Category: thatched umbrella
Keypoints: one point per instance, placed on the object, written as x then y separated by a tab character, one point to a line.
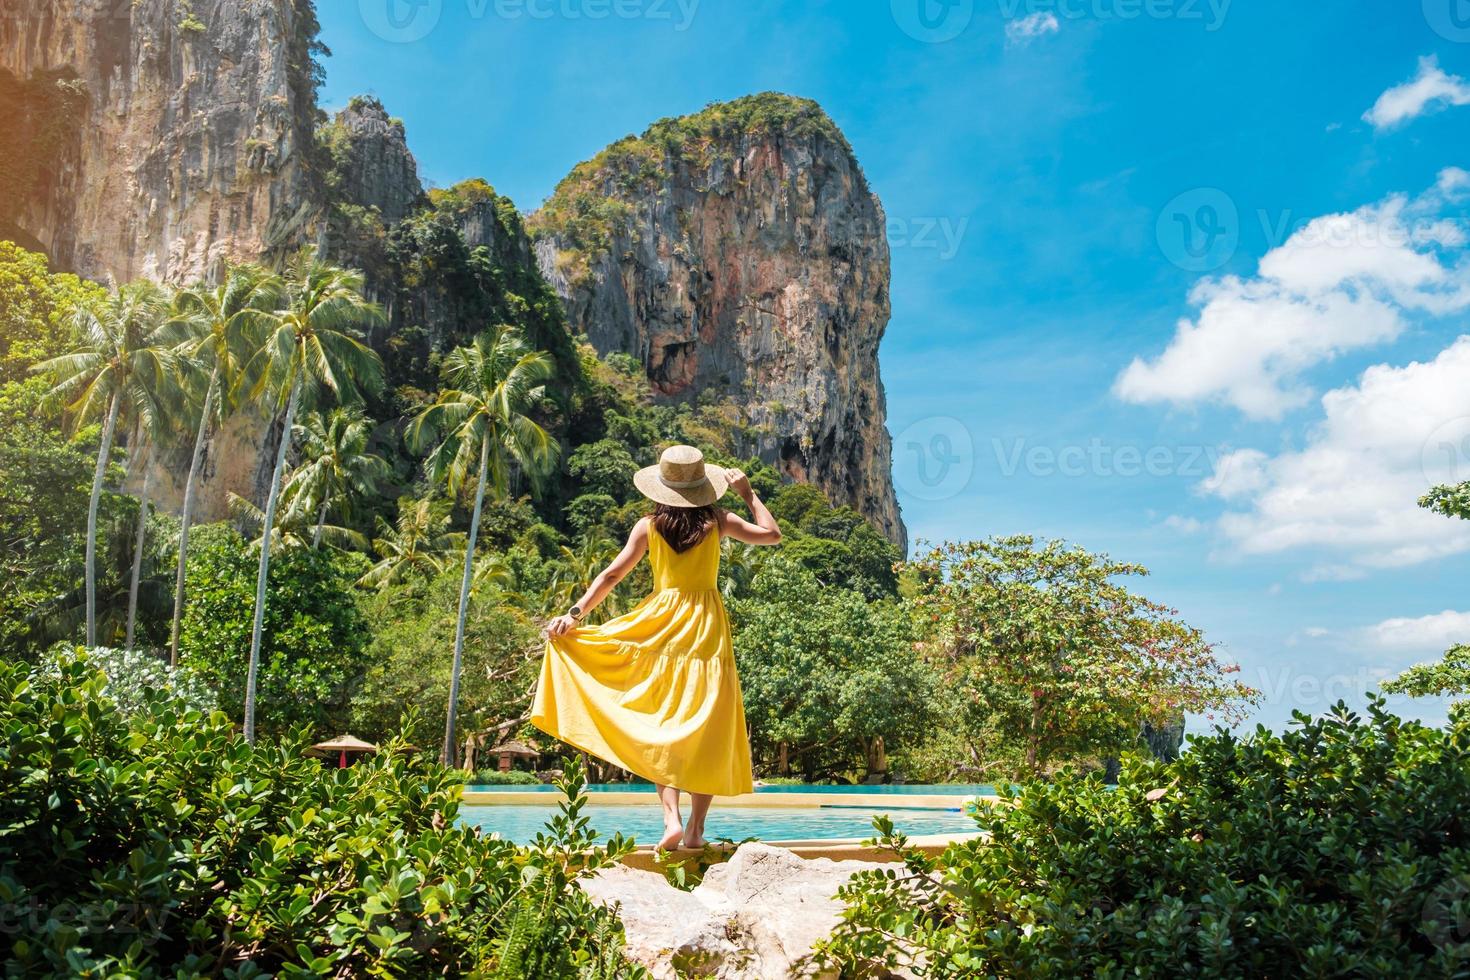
514	748
344	744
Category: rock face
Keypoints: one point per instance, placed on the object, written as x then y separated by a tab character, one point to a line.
755	916
184	137
739	251
374	168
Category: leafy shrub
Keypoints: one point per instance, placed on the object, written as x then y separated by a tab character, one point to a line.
167	846
494	777
136	677
1341	848
314	652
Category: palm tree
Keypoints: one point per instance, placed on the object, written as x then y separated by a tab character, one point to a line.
218	323
309	344
415	547
338	465
119	365
293	530
482	421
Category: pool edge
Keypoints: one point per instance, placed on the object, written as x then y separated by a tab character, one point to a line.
644	858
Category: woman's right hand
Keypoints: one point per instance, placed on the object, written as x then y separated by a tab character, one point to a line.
739	482
560	626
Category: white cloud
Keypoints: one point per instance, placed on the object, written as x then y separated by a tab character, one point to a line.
1427	91
1183	525
1340	282
1438	631
1027	29
1351	491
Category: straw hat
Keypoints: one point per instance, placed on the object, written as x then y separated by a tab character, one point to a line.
680	479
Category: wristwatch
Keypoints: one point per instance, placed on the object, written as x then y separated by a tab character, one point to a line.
576	613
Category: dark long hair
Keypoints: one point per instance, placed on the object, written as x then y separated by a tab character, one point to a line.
684	527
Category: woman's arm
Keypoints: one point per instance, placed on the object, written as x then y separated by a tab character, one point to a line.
606	580
765	530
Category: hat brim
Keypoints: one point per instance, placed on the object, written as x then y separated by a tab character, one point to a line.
702	494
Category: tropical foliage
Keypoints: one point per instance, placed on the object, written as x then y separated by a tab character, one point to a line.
163	844
1340	848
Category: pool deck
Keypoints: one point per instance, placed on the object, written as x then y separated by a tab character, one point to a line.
886	801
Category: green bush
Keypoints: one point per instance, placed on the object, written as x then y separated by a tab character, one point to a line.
494	777
314	652
165	845
136	677
1341	848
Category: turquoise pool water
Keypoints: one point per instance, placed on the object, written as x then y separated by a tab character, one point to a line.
521	822
907	789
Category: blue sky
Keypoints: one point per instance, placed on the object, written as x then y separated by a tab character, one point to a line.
1179	280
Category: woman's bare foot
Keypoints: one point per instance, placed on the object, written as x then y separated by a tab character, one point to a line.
673	837
694	838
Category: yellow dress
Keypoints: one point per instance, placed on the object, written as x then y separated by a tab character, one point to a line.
655	691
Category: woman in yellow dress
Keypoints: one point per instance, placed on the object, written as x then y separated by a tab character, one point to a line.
655	691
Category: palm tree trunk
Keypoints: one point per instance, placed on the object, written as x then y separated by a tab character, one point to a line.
321	522
104	453
190	486
138	542
267	525
464	603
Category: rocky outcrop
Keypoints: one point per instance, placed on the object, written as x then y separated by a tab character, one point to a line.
740	252
372	166
187	137
755	916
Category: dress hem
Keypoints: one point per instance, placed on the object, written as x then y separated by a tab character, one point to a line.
538	720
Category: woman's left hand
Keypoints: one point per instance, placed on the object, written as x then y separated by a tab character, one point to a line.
560	626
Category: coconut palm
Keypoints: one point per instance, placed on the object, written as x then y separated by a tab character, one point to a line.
415	547
121	365
216	327
482	421
297	530
309	344
577	567
337	466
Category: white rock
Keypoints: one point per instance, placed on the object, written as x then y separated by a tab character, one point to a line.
756	916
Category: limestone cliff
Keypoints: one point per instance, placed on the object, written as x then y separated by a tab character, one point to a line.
183	136
740	251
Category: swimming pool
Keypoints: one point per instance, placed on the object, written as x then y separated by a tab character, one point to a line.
905	789
521	822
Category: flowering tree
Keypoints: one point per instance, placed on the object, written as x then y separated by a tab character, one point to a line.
1050	650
